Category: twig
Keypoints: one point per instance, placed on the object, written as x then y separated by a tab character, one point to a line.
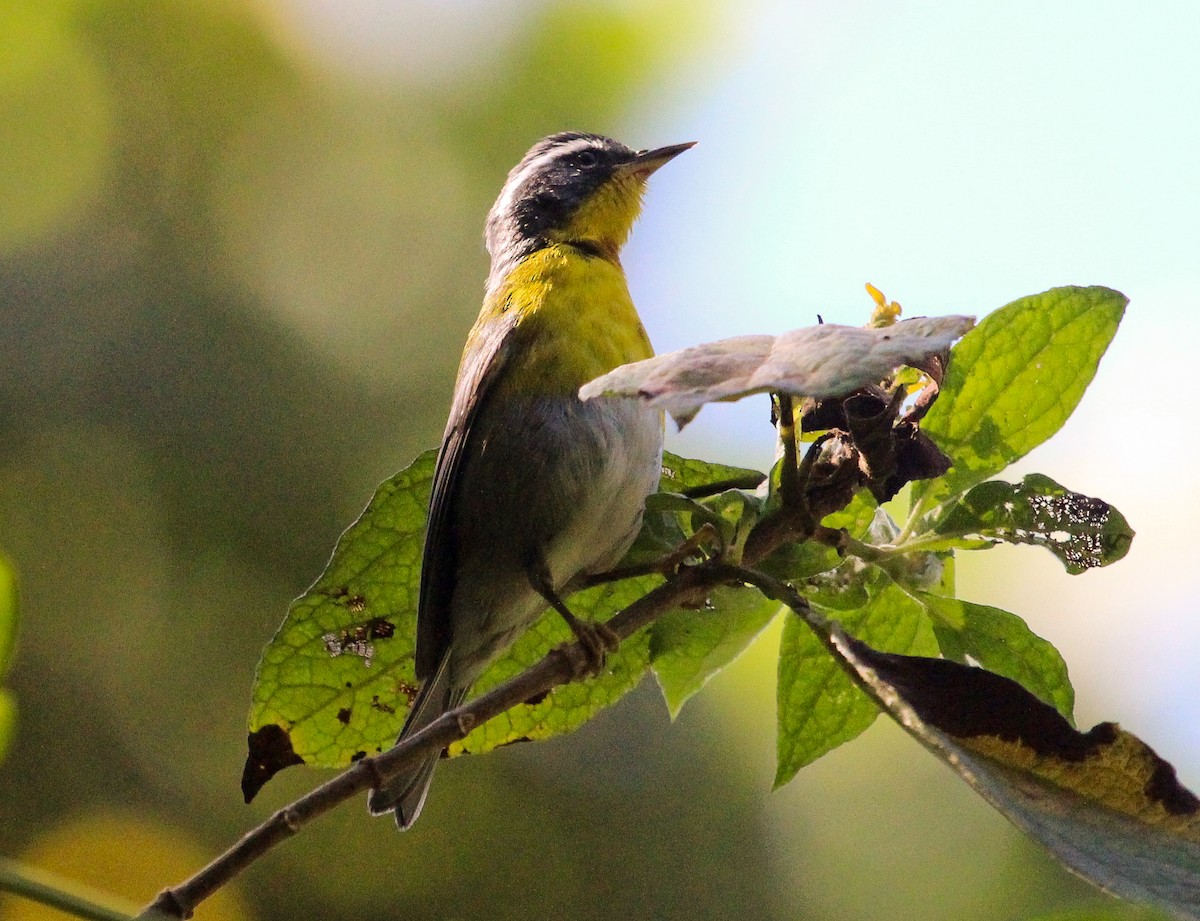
558	667
841	541
791	491
775	589
663	566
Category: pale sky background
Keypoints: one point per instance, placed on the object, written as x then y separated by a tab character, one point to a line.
958	156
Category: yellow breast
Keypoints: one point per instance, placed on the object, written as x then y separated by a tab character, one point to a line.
576	321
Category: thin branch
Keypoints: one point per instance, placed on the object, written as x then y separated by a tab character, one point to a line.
791	490
776	590
703	491
560	666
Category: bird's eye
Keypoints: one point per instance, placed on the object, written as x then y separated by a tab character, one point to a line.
587	158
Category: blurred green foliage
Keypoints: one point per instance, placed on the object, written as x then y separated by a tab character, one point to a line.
233	287
8	636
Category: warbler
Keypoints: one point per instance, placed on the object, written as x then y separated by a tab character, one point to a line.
534	488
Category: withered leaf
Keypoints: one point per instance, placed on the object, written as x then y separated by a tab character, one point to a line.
816	361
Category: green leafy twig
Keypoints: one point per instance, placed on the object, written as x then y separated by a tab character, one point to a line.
560	666
366	593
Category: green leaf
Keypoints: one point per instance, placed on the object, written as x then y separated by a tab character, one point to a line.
688	647
1002	643
675	512
337	678
1014	379
663	527
737	513
793	561
568	706
819	707
683	474
1081	531
856	517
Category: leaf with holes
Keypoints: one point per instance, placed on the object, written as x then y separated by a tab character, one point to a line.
336	680
1081	531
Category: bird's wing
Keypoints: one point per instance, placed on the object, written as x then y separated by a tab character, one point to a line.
482	362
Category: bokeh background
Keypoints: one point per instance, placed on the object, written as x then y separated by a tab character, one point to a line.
240	246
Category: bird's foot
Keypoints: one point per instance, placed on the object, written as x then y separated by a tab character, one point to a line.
597	640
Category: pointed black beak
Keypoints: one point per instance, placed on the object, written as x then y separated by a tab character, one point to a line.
645	162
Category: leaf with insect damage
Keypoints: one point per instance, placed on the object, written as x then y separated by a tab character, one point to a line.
335	682
1102	801
1081	531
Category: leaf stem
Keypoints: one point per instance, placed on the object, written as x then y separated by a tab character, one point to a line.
791	490
915	514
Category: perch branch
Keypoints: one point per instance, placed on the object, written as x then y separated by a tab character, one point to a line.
556	668
792	521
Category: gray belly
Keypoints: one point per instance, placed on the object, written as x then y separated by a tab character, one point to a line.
554	479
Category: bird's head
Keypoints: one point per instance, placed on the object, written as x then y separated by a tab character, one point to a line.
575	188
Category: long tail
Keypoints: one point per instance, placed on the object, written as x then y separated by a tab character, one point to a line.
405	793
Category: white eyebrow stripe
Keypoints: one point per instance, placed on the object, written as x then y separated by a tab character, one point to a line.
557	152
505	202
